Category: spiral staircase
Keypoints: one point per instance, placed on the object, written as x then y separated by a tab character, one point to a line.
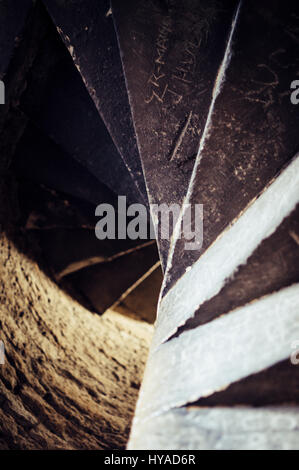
164	102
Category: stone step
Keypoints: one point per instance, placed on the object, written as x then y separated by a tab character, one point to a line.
171	53
141	300
273	265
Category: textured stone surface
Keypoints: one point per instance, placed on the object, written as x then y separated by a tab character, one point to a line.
238	428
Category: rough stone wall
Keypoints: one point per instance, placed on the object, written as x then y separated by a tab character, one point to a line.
70	378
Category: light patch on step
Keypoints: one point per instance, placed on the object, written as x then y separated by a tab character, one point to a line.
209	358
232	248
219	428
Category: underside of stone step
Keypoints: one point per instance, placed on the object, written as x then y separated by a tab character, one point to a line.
141	300
220	428
115	277
57	101
272	266
89	35
228	309
64	229
70	250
